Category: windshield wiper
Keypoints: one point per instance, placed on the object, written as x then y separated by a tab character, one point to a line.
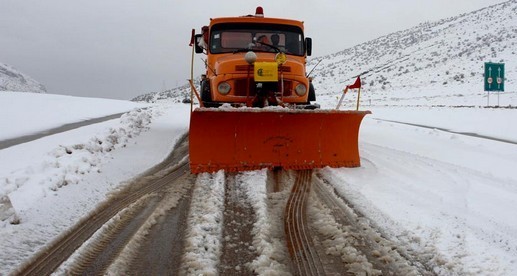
241	50
251	48
277	50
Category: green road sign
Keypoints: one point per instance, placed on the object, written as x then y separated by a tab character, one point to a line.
494	76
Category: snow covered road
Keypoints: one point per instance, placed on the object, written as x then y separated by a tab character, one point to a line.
453	194
445	199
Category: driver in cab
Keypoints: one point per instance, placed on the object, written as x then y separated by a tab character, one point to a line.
262	43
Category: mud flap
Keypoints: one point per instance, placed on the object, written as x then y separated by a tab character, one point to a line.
249	139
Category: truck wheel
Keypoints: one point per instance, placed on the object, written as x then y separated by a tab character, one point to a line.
205	91
312	93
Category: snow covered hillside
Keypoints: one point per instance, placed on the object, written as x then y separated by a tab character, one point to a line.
429	62
177	94
14	80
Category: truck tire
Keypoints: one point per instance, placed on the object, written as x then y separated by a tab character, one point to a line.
205	91
312	93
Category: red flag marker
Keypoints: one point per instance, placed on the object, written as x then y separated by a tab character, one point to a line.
357	83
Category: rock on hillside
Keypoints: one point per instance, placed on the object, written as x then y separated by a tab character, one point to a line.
13	80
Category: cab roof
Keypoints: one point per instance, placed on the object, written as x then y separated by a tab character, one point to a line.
258	18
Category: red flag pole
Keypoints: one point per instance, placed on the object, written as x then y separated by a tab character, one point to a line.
342	97
357	84
358	96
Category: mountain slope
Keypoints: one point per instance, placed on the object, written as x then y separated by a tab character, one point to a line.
429	61
13	80
177	94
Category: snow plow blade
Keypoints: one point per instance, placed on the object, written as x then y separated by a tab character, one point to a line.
250	139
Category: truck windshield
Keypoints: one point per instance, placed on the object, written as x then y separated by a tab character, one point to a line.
227	38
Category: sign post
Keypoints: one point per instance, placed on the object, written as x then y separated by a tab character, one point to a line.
494	79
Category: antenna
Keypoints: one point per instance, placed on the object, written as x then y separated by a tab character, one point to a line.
314	68
206	64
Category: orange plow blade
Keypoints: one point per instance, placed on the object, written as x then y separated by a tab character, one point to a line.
250	139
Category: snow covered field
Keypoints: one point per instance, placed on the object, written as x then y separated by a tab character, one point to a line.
446	195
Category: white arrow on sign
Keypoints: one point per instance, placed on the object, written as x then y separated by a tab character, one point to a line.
489	77
499	80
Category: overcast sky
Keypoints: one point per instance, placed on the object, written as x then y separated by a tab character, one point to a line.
124	48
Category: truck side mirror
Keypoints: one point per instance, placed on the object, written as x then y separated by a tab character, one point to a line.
308	46
198	48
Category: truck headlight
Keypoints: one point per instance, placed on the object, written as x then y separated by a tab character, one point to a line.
224	88
300	89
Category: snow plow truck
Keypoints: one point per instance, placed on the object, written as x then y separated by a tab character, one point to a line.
256	101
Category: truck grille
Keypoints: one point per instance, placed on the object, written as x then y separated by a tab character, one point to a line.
244	68
240	88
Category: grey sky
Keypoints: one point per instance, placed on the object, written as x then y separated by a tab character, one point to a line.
124	48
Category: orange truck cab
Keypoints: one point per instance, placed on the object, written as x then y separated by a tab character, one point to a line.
255	61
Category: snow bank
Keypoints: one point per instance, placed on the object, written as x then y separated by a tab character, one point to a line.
50	216
66	164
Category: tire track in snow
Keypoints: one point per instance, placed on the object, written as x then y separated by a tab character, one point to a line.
362	249
306	260
237	248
